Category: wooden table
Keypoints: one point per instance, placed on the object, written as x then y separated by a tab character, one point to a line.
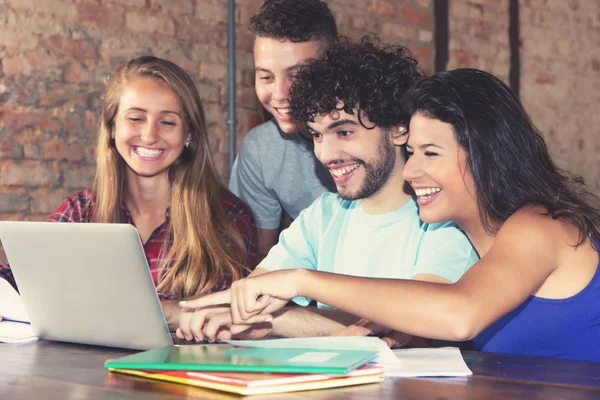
52	370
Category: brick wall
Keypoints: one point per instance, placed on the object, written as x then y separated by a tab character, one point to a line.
54	53
560	80
559	72
478	36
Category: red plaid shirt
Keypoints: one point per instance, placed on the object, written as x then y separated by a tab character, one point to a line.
81	206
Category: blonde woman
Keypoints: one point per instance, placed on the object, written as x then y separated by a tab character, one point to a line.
155	171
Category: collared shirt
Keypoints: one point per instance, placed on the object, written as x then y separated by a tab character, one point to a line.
80	207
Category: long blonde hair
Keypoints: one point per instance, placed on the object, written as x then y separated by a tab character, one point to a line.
207	246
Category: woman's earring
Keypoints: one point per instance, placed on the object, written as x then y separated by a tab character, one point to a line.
187	142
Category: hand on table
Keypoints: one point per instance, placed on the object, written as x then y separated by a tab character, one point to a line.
365	327
214	324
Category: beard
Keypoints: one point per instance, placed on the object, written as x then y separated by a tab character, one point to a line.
377	172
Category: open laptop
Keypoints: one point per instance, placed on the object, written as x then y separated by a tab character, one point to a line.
85	283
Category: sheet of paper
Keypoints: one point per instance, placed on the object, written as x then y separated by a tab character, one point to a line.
11	306
385	356
16	332
445	361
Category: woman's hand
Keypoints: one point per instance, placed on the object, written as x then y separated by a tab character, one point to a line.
253	299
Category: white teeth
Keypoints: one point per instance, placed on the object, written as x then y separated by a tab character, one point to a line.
426	191
284	111
339	172
144	152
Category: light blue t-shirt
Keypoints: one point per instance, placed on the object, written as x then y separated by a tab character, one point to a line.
336	235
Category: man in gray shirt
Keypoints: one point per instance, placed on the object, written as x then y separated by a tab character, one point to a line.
276	168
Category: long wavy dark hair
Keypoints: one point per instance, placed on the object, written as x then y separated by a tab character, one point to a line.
368	77
506	154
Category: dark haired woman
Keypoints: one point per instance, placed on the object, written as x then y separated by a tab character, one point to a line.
476	159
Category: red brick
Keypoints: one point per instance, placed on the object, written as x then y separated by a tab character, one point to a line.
72	47
247	78
174	7
417	16
213	72
101	16
424	55
395	30
15	120
14	202
46	203
149	23
382	7
75	71
254	119
54	149
11	150
545	79
246	97
214	112
57	8
209	92
212	12
128	3
28	174
17	39
79	177
192	30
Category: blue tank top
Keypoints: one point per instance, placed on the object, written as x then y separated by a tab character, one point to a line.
564	328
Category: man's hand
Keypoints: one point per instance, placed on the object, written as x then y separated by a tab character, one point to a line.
365	327
192	321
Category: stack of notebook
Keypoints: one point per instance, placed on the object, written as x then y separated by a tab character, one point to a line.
249	371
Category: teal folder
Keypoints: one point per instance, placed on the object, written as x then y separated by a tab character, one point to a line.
246	359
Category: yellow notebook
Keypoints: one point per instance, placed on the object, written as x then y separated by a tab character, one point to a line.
252	383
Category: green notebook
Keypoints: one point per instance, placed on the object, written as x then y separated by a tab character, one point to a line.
247	359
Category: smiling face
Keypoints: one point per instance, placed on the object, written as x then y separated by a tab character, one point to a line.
360	160
148	129
437	171
276	62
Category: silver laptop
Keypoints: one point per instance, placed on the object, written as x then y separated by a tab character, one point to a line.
85	283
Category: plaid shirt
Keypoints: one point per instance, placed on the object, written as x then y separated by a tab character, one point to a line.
81	207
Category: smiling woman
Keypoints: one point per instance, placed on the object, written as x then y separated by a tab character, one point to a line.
155	171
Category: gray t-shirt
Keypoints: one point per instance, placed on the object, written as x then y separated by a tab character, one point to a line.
275	170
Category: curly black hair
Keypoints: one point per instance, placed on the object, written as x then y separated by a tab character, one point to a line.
294	20
368	76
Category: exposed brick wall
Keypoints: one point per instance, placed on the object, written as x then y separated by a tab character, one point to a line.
560	80
54	54
478	36
559	72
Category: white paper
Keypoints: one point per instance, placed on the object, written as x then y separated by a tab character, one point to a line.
385	355
11	306
445	361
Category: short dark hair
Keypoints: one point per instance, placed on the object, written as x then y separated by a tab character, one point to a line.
366	77
294	20
506	154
